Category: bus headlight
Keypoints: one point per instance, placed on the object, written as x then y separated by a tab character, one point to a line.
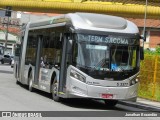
133	81
78	76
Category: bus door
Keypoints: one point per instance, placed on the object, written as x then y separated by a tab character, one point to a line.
63	67
47	56
38	57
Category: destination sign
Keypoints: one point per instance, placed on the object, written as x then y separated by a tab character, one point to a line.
106	39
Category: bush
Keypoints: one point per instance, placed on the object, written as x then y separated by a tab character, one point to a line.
158	50
151	52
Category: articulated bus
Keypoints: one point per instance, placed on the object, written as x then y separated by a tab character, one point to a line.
81	55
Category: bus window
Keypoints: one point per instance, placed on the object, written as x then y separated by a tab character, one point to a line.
58	47
123	57
31	48
51	50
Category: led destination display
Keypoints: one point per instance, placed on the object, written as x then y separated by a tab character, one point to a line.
107	39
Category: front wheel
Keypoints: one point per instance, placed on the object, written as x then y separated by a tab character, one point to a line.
55	91
110	103
30	82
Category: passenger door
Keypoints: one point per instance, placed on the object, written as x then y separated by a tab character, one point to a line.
64	60
50	58
38	57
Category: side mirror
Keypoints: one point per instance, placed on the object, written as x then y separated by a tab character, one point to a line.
141	53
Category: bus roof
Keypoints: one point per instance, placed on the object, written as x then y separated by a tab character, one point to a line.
91	21
100	20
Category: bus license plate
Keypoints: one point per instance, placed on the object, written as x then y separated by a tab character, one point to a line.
108	96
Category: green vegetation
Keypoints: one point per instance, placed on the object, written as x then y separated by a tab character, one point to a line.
151	52
149	86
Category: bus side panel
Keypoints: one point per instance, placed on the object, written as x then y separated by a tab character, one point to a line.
45	78
26	73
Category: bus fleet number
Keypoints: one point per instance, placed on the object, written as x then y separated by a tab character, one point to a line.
122	84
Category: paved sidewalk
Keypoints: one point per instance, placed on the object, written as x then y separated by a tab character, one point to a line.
148	102
143	104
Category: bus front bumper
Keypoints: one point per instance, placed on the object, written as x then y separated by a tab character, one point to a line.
82	90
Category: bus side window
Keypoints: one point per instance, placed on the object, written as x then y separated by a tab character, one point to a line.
51	50
31	49
58	47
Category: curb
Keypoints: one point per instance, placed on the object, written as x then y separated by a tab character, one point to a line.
140	105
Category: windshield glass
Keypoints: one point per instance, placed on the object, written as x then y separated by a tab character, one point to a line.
106	57
123	58
105	53
92	55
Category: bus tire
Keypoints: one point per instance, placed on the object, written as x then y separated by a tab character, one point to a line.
110	103
30	82
54	91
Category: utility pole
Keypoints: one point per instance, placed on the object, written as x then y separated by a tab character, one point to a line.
6	35
8	14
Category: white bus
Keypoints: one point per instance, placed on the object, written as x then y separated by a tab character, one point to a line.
81	55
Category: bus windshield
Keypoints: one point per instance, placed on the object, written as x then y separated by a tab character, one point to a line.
96	55
123	57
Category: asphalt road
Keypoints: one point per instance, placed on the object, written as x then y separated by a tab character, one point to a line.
15	97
